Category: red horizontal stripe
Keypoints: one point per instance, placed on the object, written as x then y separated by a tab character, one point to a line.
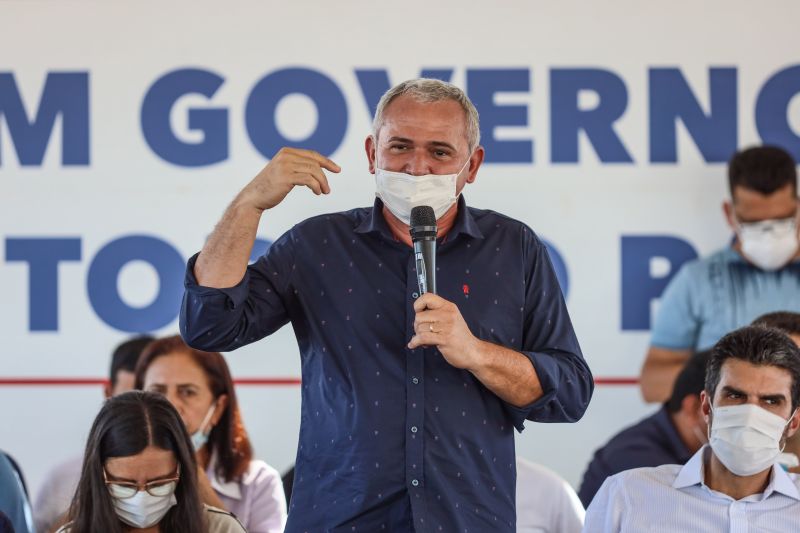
60	382
616	381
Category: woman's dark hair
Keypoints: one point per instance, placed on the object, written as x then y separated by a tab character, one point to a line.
758	346
125	426
228	438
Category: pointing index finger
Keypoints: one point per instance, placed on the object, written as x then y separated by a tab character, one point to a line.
323	161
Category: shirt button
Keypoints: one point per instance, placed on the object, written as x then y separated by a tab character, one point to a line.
413	429
414	482
415	381
414	295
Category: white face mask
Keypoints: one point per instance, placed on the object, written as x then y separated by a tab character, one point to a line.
769	244
401	192
143	510
200	437
746	438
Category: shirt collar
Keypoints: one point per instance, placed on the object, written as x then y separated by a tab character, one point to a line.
230	489
465	222
693	474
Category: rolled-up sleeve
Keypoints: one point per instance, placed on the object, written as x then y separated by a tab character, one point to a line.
214	319
550	343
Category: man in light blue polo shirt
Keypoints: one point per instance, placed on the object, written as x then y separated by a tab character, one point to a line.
734	484
757	274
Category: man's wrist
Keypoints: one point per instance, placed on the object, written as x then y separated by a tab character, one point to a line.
243	204
476	354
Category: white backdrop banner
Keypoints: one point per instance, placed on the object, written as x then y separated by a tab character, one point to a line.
125	128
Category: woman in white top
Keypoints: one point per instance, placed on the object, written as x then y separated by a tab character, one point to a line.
139	474
200	387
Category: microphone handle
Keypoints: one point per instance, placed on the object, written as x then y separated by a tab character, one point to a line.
425	257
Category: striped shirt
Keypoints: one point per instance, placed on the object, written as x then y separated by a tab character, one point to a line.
674	498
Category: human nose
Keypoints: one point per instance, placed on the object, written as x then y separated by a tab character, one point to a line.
174	399
417	164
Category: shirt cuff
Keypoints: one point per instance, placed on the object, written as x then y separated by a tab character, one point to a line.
231	297
540	409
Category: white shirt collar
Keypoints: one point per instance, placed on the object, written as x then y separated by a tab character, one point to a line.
230	489
693	474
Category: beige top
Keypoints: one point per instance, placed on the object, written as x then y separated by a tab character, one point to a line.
219	521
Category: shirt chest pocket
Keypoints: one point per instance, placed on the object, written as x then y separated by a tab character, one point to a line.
495	320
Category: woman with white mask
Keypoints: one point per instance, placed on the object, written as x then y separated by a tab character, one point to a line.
139	474
199	385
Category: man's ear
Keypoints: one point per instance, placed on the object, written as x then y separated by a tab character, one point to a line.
107	390
794	423
705	406
730	216
370	145
475	162
692	406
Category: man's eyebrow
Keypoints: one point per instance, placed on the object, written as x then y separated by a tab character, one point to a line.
400	139
773	397
733	390
442	143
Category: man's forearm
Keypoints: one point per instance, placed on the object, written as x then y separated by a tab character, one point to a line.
226	253
507	373
659	371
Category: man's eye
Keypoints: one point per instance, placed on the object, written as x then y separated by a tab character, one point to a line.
399	147
188	392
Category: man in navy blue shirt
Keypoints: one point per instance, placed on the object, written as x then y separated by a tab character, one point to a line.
409	400
670	436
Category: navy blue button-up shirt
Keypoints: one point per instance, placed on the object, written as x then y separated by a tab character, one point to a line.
653	441
391	438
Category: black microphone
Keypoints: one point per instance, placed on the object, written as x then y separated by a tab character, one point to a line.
423	235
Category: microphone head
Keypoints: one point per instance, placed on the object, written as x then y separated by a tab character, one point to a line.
423	223
423	215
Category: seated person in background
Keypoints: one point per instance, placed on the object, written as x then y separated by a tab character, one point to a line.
789	323
13	497
200	387
750	402
59	483
139	474
670	436
545	502
756	274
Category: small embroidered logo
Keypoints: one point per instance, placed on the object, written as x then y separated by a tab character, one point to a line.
465	288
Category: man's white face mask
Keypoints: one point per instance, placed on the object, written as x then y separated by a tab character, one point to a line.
401	192
746	438
769	244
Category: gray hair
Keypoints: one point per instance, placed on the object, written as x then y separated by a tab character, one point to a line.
431	90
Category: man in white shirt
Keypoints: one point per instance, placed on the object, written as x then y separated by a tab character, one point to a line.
546	503
733	484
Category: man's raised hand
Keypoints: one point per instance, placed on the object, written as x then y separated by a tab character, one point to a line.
289	168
